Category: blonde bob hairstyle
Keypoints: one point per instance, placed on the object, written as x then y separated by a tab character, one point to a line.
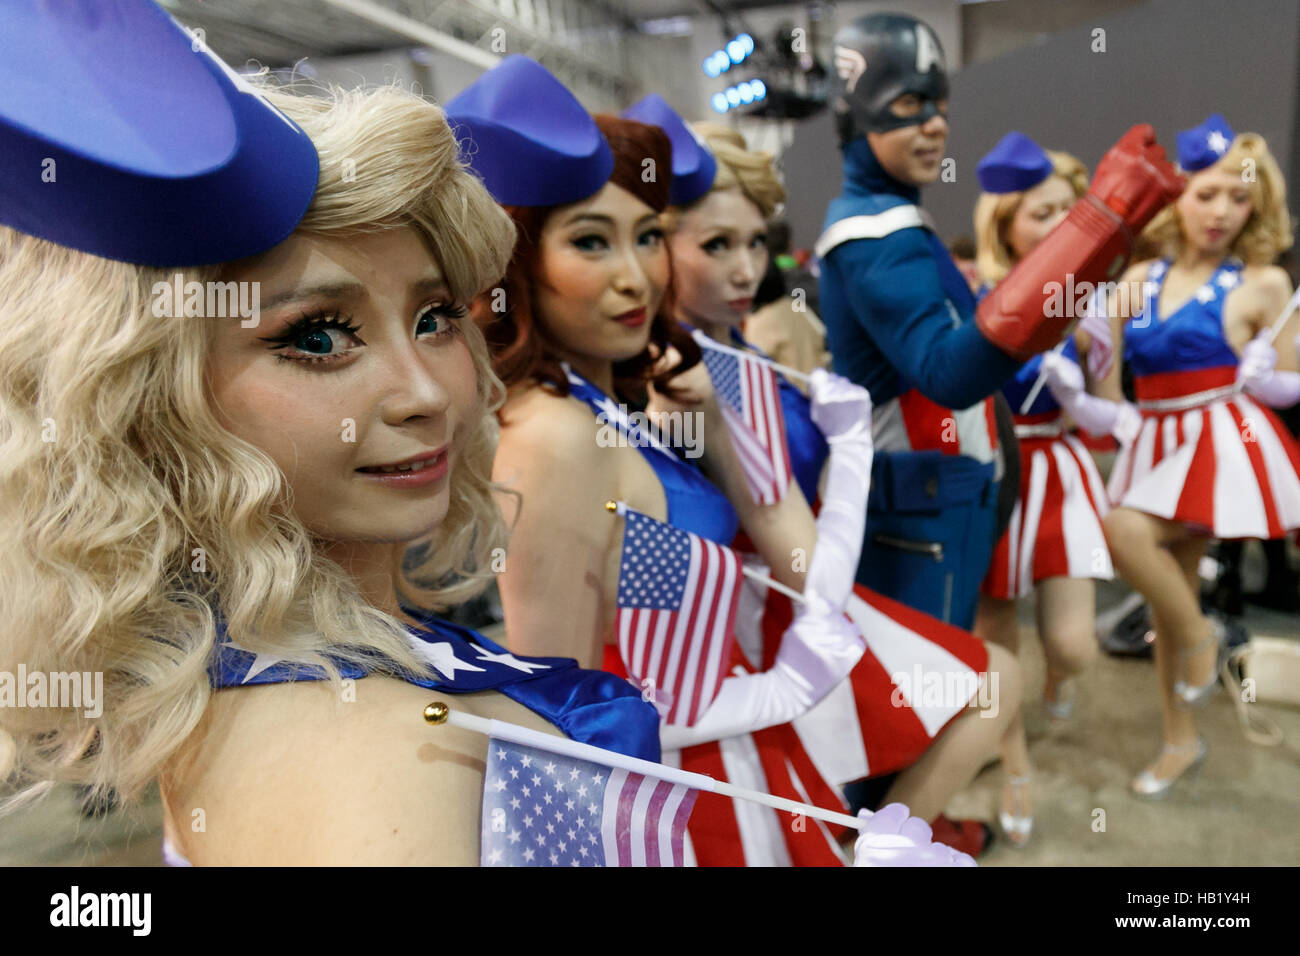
994	212
1266	234
131	522
738	167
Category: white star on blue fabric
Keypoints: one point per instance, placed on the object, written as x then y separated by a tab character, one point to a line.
1205	294
1228	280
441	657
1217	142
260	663
505	657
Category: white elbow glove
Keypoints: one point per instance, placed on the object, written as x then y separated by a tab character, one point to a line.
1258	374
817	652
822	645
893	837
842	412
1097	416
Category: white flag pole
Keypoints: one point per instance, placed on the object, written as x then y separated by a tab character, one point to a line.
620	508
785	370
1028	403
439	713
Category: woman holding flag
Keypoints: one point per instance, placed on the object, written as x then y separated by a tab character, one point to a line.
583	304
724	195
246	523
1054	546
1210	460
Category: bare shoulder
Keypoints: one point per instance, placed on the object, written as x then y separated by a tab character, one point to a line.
1137	271
539	423
1270	280
298	774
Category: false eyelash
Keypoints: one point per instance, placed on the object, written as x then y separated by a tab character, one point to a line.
311	322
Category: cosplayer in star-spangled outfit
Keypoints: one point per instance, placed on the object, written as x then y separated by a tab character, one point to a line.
215	537
583	298
1054	544
901	320
1210	461
723	196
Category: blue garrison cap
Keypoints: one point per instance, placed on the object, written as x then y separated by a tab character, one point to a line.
694	167
1204	145
119	138
1015	164
529	139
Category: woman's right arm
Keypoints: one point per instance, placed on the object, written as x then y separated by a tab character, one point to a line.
560	534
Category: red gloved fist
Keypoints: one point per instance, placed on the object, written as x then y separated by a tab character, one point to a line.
1134	178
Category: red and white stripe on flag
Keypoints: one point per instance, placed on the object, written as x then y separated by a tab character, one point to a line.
768	467
676	614
644	820
1101	352
750	399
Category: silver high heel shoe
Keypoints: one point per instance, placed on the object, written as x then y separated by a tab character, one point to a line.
1017	828
1148	786
1190	696
1061	707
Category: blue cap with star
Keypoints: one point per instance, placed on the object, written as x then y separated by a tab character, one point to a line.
124	137
1015	164
694	166
528	138
1204	145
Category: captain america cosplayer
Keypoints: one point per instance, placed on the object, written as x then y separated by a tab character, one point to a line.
901	320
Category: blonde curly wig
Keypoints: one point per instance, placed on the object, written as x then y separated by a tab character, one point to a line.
994	212
1266	234
114	470
752	171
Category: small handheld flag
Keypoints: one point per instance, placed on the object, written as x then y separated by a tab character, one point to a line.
546	809
750	400
634	802
677	598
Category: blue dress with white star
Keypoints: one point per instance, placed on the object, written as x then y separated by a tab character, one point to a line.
592	707
1208	456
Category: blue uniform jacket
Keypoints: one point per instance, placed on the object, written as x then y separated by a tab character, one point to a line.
886	302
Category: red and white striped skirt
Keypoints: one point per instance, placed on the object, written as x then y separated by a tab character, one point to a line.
1226	466
916	675
1055	529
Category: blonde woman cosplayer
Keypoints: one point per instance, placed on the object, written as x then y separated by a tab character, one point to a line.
1211	460
186	497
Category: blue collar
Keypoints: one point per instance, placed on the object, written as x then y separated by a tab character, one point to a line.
863	174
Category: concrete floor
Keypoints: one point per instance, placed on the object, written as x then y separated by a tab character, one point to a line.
1242	810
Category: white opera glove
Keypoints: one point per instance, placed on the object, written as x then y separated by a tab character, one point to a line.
893	837
817	652
1258	374
1064	377
842	412
1096	416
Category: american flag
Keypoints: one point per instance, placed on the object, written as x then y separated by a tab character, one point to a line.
547	809
751	403
677	596
1096	322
